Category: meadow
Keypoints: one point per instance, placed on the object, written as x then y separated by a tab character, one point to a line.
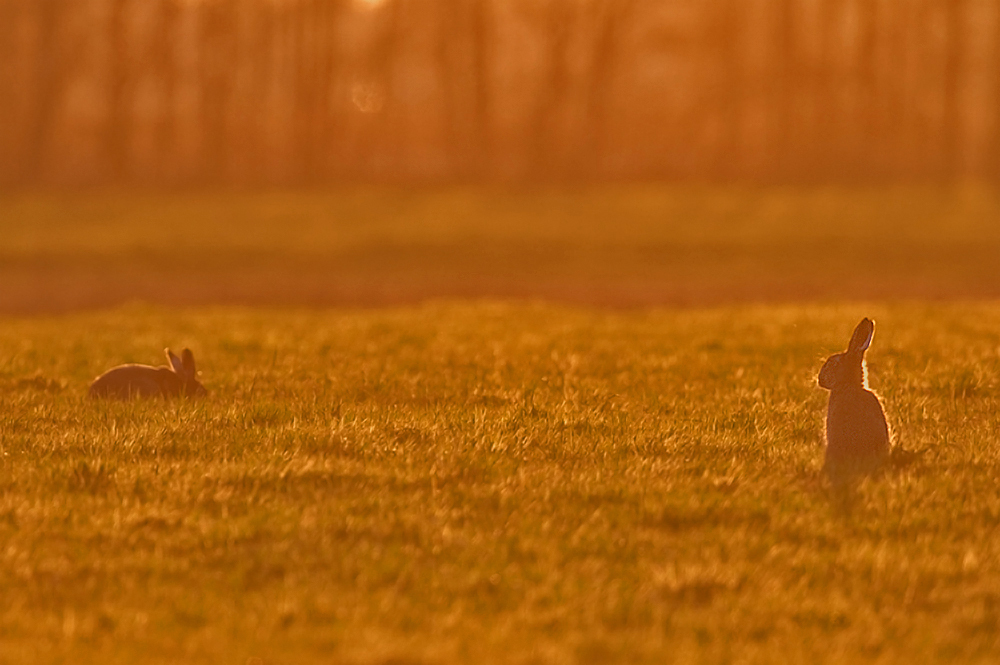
497	483
494	480
611	245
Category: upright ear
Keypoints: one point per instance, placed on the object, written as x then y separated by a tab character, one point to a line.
862	337
175	363
188	359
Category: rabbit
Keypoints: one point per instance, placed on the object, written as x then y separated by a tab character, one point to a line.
857	435
127	381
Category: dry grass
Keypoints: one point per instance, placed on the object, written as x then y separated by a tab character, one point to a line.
497	484
617	245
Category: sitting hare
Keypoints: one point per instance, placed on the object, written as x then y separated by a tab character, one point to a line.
126	381
857	436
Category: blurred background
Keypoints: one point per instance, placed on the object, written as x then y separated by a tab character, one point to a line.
460	109
306	91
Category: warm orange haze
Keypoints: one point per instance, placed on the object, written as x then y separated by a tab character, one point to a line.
319	91
527	331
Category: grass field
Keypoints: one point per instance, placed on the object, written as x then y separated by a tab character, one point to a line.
635	245
495	483
429	440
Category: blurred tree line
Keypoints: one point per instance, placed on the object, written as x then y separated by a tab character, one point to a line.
299	91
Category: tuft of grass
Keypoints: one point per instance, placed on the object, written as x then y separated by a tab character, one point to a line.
495	483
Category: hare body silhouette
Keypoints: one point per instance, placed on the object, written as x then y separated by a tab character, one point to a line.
128	381
857	435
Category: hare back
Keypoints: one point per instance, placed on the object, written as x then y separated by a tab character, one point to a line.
127	381
857	434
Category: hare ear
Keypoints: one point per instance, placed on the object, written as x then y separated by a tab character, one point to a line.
188	359
862	337
175	362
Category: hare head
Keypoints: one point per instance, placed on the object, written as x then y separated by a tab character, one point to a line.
847	369
186	371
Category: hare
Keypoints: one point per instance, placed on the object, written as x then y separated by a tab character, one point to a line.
857	436
127	381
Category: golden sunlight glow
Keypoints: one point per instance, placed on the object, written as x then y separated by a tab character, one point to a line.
368	97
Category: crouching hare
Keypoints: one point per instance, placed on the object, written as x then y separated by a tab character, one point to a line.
127	381
857	436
